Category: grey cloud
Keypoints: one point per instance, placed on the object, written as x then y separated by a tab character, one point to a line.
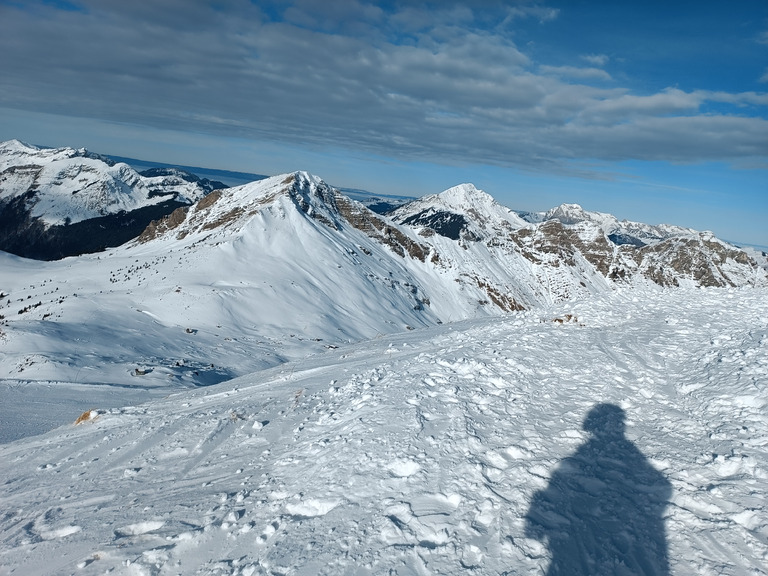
348	16
450	92
680	139
627	106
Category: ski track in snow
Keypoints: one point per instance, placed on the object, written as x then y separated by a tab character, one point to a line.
413	454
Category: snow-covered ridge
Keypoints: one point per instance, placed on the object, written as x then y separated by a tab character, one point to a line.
567	252
297	200
15	152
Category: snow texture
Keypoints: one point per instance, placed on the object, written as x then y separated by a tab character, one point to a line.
632	440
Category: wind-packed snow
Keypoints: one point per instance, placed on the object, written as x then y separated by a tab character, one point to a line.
489	446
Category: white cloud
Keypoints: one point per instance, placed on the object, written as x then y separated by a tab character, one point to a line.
738	98
596	59
542	13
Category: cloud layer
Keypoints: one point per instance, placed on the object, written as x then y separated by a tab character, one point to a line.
439	82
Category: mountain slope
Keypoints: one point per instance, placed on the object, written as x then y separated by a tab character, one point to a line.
60	202
438	451
247	278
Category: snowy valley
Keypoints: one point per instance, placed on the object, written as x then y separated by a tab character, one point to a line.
274	379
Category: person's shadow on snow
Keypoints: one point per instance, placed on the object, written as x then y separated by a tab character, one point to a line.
603	510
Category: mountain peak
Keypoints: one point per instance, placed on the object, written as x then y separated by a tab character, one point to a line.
15	144
465	195
283	196
567	213
463	211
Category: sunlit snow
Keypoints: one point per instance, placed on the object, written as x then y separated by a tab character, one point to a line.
629	440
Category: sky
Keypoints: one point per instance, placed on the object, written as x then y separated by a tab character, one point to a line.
652	111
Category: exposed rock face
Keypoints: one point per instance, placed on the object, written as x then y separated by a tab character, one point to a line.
681	256
705	260
377	227
158	227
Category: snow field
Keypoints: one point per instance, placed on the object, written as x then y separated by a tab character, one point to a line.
417	453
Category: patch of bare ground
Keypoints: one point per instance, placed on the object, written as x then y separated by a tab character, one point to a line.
208	200
567	319
225	218
159	227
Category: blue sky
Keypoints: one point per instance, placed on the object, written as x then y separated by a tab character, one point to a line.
652	111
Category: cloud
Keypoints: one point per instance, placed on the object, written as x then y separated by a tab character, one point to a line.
764	77
335	16
575	72
596	59
443	84
739	99
542	13
620	109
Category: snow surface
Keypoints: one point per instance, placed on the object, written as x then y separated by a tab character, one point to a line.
455	449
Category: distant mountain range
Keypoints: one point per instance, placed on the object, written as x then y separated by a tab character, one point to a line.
58	202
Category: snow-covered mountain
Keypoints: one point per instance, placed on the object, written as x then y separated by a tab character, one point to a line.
619	232
525	260
252	276
245	279
62	201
